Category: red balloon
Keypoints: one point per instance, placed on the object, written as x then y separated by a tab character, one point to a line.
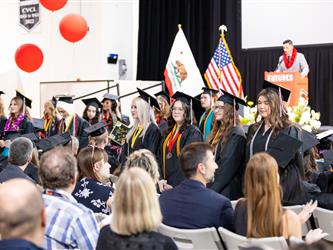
29	57
53	5
73	27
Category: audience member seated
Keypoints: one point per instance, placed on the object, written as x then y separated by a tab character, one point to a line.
22	215
191	204
20	154
145	159
69	224
94	190
260	213
325	198
135	216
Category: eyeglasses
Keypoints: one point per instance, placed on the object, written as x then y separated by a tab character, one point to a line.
177	109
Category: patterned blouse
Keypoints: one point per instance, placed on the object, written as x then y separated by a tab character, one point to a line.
93	194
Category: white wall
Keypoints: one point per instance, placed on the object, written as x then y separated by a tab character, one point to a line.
267	23
113	28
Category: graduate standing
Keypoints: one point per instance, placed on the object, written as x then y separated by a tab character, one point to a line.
145	134
278	136
207	102
71	122
228	140
181	132
162	115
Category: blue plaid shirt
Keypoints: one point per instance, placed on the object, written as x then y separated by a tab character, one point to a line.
70	225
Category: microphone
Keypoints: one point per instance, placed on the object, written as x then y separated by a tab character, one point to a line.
279	64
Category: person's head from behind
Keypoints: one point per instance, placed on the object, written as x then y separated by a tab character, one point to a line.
58	169
20	151
99	141
135	206
22	211
93	164
144	159
263	196
197	162
288	47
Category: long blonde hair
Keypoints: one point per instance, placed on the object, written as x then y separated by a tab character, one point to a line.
165	110
145	117
263	197
222	128
135	206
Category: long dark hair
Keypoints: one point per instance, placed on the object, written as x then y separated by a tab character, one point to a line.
187	117
85	114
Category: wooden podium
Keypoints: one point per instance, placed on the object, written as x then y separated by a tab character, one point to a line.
292	81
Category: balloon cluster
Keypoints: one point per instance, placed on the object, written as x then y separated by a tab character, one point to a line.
72	27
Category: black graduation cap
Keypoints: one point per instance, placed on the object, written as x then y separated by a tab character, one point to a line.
328	156
325	135
309	141
285	93
164	95
67	99
148	98
38	124
53	141
1	92
33	137
209	91
111	97
25	99
231	99
54	101
92	102
283	149
96	129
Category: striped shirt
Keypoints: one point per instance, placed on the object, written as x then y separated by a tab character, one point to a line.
70	225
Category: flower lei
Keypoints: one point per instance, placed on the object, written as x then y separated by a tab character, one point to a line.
292	59
12	123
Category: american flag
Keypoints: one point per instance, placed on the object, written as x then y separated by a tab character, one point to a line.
222	72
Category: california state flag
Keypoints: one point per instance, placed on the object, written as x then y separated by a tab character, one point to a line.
181	72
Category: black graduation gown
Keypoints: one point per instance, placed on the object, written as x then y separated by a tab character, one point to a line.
52	128
173	172
229	175
150	141
80	124
25	127
290	176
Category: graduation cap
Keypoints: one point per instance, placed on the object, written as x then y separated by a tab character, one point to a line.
309	141
38	124
1	92
148	98
54	101
209	91
67	99
325	135
92	102
191	101
96	129
285	93
111	97
164	95
26	100
328	156
33	137
231	99
283	149
53	141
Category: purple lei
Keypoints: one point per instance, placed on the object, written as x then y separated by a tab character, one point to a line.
14	126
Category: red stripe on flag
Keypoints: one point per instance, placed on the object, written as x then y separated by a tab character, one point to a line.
227	79
168	82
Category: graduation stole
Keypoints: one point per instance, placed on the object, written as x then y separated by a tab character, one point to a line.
13	123
292	59
207	120
62	129
170	143
136	133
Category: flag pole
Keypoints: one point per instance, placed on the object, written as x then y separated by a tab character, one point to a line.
222	29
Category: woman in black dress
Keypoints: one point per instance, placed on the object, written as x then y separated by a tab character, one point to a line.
181	132
268	135
228	141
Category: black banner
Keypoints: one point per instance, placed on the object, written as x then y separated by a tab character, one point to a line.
29	14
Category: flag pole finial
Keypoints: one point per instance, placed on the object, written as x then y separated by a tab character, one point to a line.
223	29
179	26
